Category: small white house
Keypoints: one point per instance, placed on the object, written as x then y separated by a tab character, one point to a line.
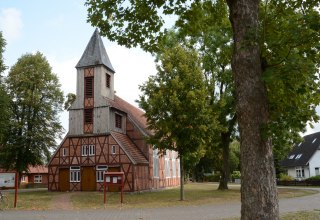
304	160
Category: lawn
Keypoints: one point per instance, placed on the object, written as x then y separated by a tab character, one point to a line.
195	193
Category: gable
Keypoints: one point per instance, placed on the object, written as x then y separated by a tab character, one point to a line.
303	152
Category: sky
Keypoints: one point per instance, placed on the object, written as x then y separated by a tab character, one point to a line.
59	30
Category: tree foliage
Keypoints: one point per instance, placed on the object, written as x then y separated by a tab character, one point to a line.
36	100
267	65
212	34
175	103
4	98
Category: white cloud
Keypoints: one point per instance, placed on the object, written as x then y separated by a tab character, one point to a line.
133	67
67	75
11	24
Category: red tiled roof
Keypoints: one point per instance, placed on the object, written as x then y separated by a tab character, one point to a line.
129	147
38	169
135	114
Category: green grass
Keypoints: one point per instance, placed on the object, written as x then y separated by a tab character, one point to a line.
195	194
37	200
303	215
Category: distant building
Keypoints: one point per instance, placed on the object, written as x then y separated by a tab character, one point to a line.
304	160
106	132
37	174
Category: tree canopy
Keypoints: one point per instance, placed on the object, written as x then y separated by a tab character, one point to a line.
4	98
264	82
175	103
36	100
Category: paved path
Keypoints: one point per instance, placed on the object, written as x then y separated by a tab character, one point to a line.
202	212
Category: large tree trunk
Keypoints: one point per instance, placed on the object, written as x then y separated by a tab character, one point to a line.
258	190
225	171
225	143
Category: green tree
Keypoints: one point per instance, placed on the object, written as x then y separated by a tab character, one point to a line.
4	98
71	97
175	104
36	101
211	31
139	23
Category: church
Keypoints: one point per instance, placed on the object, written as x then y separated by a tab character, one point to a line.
107	133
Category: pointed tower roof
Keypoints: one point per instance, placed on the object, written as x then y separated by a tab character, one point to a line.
95	53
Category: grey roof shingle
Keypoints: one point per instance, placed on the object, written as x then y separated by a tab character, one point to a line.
305	150
95	53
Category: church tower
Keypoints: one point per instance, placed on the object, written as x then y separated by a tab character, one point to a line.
95	84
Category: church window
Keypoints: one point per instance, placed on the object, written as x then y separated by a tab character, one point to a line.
88	116
118	121
108	79
88	87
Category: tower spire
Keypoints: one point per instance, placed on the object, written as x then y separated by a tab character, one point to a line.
95	53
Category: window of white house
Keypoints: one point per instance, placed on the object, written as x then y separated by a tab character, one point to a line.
74	174
155	163
113	149
317	171
299	172
38	178
167	162
88	150
314	140
100	171
298	156
64	152
291	156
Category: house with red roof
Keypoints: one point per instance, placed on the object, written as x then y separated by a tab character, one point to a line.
106	133
36	174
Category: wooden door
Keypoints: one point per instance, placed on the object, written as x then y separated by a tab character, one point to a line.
88	179
64	179
114	188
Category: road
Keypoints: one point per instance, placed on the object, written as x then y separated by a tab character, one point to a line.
202	212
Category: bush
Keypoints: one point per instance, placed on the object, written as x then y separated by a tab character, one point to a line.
212	178
314	178
285	177
236	175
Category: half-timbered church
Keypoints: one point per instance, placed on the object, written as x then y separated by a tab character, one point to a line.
106	133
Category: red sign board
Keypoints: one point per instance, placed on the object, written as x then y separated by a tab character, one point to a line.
113	179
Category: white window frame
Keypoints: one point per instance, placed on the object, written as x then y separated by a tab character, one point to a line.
298	156
84	150
155	163
100	169
291	156
88	150
299	172
317	171
167	164
64	152
314	140
23	178
178	167
113	149
92	150
37	179
174	168
74	174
